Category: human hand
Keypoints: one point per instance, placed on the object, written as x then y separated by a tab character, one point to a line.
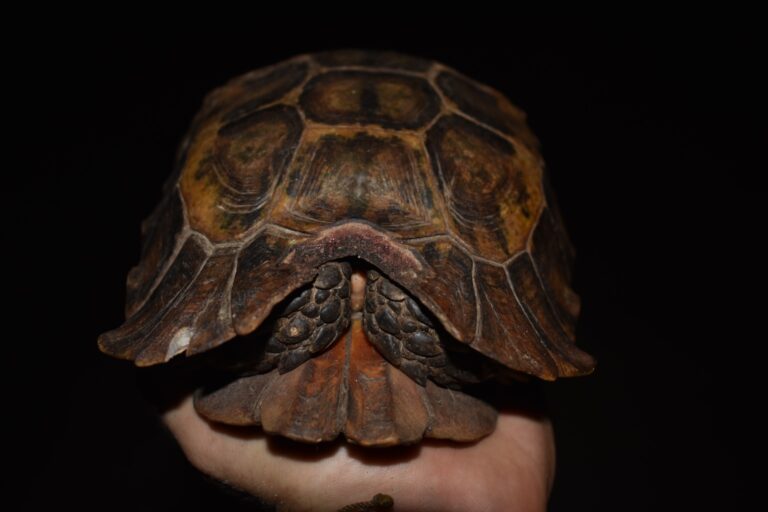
510	470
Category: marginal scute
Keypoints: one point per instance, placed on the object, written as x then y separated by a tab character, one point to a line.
160	235
570	360
505	333
251	91
262	280
552	263
492	190
487	106
138	333
389	100
200	320
451	289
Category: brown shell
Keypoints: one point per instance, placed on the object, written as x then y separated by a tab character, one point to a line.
434	179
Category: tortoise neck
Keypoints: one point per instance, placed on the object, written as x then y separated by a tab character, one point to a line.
357	292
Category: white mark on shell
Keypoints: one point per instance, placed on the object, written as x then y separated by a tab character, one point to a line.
179	343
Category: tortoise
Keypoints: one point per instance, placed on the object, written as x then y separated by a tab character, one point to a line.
378	233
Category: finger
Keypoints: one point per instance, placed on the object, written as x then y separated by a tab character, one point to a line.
513	466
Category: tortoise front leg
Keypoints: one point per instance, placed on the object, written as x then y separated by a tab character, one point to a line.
313	320
395	324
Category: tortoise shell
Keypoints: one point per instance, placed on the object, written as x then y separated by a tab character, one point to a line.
378	229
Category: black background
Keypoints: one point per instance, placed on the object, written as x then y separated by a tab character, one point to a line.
655	139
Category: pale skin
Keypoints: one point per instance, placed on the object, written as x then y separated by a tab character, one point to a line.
510	470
